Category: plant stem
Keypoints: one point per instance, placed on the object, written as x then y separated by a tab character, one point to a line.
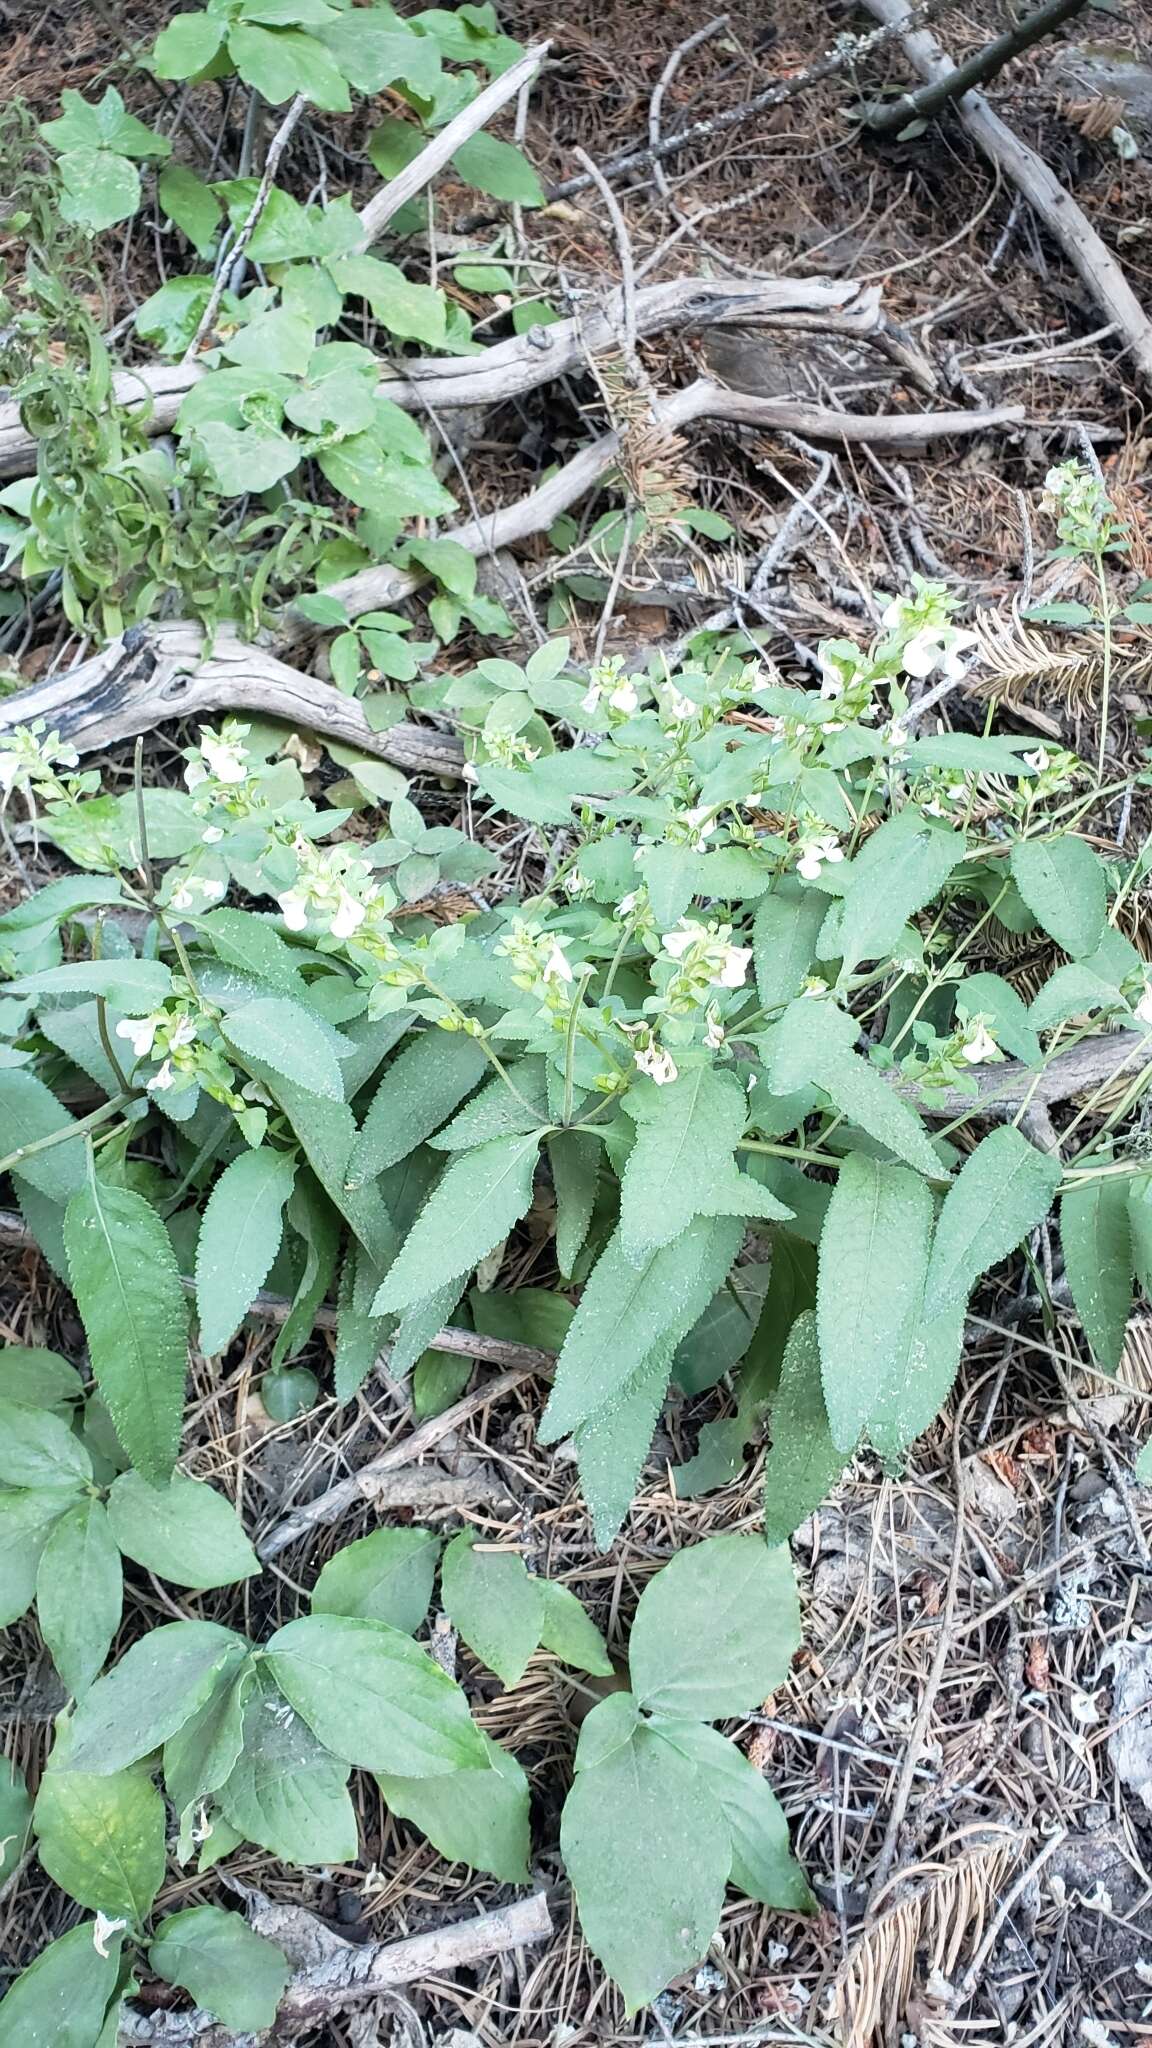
1106	671
78	1129
570	1043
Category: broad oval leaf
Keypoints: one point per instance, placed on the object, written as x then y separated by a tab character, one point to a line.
286	1792
490	1598
101	1839
1062	882
183	1531
715	1630
373	1697
15	1816
79	1595
386	1576
38	1448
61	2001
873	1261
38	1379
763	1866
475	1817
571	1634
1003	1190
231	1971
127	1287
155	1688
26	1519
897	871
239	1238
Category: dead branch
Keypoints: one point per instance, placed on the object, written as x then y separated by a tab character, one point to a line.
975	70
344	1973
511	368
375	217
1065	221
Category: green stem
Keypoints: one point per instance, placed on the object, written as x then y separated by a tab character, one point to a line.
78	1129
570	1043
1106	675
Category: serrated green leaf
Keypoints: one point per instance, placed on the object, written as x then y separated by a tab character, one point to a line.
131	985
183	1531
241	939
79	1594
873	1261
612	1446
803	1461
31	1112
26	1519
648	1854
763	1866
101	1839
493	1602
1003	1190
570	1633
373	1697
475	1817
990	996
1062	882
1096	1234
495	1112
472	1208
387	1576
239	1239
232	1972
574	1157
285	1036
920	1381
627	1312
682	1164
715	1630
127	1287
286	1792
791	1290
155	1688
61	2000
419	1090
785	933
897	871
327	1132
38	1448
815	1040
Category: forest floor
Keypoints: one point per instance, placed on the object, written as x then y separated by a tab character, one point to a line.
999	1891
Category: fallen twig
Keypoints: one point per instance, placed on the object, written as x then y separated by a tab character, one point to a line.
375	217
276	149
346	1973
977	69
1065	221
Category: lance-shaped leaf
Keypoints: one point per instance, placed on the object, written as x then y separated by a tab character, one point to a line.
472	1207
897	871
1003	1190
239	1238
873	1261
682	1164
1096	1233
803	1461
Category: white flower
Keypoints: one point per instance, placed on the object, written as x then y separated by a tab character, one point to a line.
141	1031
627	904
182	1031
162	1078
734	967
212	835
714	1036
818	853
679	707
590	701
348	916
624	698
979	1045
206	887
657	1064
470	772
227	759
556	967
701	823
195	773
687	934
1039	760
294	909
102	1931
937	647
10	765
1144	1006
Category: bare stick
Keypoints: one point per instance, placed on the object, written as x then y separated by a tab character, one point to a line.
432	158
276	150
975	70
1065	221
624	250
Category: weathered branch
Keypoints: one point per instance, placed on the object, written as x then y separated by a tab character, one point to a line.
886	118
1065	221
511	368
345	1973
161	672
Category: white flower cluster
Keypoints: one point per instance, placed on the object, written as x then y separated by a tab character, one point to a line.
165	1035
608	680
540	963
816	851
705	959
929	640
29	758
335	889
221	756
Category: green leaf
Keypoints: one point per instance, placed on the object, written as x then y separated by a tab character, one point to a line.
287	1793
327	1132
105	124
499	169
419	1090
612	1446
570	1633
476	1817
1062	882
79	1593
1140	1224
155	1688
386	1576
15	1817
245	459
31	1112
494	1603
372	52
101	1839
38	1448
1003	1190
38	1379
810	1040
285	1036
718	1340
803	1461
495	1112
785	933
124	1276
873	1261
1096	1233
920	1382
897	871
232	1972
373	1697
412	312
239	1239
763	1866
682	1163
183	1531
791	1290
191	204
187	44
202	1755
132	985
648	1854
990	996
472	1208
574	1157
26	1519
251	943
715	1630
438	1379
99	188
626	1312
1072	991
61	2000
279	63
